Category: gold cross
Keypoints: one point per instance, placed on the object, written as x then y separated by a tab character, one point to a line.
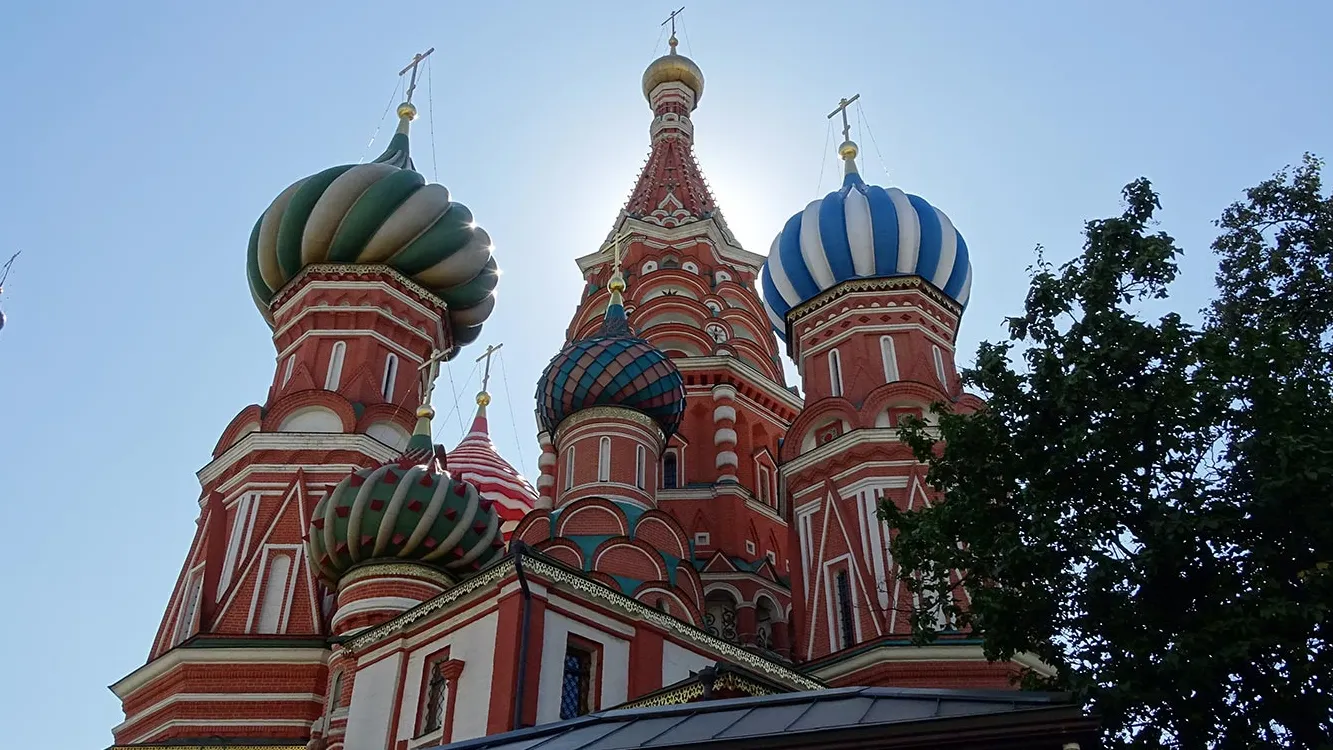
486	355
412	66
430	370
672	19
615	250
842	108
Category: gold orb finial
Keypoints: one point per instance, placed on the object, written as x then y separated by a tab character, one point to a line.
425	410
673	67
848	150
407	111
483	399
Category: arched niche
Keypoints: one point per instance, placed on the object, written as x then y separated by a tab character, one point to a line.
312	419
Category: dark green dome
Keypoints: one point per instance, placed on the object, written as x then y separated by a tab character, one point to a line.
385	213
403	511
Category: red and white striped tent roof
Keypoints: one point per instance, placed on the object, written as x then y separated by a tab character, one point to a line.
476	461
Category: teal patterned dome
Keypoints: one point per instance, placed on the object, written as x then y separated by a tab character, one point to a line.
611	368
385	213
406	510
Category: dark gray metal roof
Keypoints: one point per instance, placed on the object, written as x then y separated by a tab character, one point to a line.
784	717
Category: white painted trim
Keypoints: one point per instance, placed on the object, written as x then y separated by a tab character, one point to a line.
216	698
191	599
311	441
359	333
333	376
396	603
835	372
889	358
427	311
832	615
850	439
146	736
225	655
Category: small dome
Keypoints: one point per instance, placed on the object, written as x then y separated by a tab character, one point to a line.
673	68
382	212
862	231
407	510
476	461
612	368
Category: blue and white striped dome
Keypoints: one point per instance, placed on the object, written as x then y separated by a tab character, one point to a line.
862	231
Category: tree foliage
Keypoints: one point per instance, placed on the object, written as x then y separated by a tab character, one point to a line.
1147	505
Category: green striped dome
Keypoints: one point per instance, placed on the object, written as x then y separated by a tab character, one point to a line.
382	212
403	511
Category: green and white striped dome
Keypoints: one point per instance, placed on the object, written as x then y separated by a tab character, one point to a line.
382	212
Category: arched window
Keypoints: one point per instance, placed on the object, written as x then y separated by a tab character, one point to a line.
890	357
843	597
604	460
721	276
640	467
690	266
835	373
336	692
648	267
335	374
390	375
569	468
287	371
713	306
275	593
670	477
939	365
189	607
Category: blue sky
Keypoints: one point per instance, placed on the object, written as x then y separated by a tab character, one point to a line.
144	138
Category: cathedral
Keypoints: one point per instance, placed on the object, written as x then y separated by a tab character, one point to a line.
699	560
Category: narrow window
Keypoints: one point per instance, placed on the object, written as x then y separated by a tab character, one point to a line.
437	692
640	467
939	366
569	468
763	485
335	374
604	459
336	692
239	527
669	477
390	375
835	373
845	627
189	606
576	682
890	357
275	593
287	371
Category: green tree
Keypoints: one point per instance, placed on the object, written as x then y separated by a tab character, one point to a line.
1146	505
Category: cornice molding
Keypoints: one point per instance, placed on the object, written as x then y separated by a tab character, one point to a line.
294	441
215	655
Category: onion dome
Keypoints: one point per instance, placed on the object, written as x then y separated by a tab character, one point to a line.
611	368
382	212
673	68
476	462
862	231
408	510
